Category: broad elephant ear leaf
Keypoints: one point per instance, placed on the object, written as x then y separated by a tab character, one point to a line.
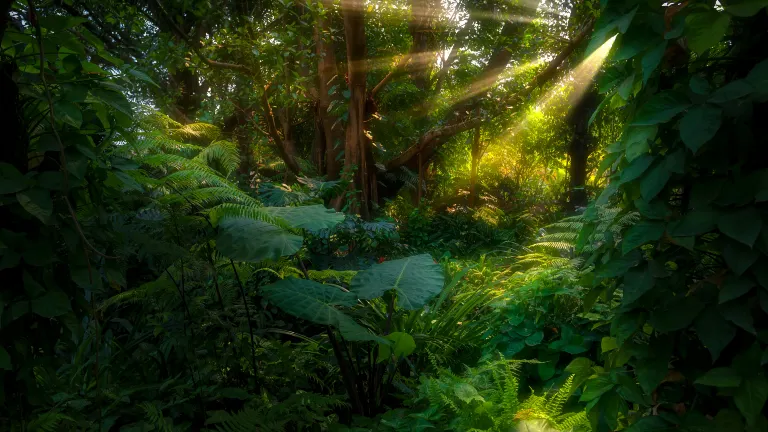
311	217
317	303
250	240
416	280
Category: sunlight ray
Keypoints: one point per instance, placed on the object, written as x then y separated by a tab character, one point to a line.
579	80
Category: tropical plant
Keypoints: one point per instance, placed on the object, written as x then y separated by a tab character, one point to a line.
685	349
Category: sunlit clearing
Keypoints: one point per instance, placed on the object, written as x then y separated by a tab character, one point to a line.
579	79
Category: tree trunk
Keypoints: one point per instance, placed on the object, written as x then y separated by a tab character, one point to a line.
476	154
420	26
354	157
580	148
330	130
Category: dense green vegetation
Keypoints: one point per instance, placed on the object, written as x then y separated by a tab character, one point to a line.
383	216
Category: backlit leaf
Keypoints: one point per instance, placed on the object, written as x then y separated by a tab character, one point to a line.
705	29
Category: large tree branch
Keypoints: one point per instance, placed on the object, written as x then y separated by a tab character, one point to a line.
430	142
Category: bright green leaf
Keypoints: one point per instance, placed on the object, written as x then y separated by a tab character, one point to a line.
466	392
608	344
705	29
403	345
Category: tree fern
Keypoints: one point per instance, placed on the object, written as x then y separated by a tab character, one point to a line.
489	395
223	153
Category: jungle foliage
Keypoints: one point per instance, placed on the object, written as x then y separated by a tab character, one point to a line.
383	216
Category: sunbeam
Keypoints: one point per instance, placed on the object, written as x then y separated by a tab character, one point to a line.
579	80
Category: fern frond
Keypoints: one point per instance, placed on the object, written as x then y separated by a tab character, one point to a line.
156	418
195	130
225	153
48	422
193	179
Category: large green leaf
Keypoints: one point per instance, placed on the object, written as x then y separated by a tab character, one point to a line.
636	140
316	303
466	392
731	91
654	180
636	168
416	280
677	315
245	239
641	233
311	217
704	29
751	397
714	331
734	288
742	225
37	202
636	283
720	377
11	180
699	125
402	345
651	60
68	112
52	304
661	108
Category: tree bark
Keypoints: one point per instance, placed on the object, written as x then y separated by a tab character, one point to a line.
580	148
331	133
354	158
476	154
